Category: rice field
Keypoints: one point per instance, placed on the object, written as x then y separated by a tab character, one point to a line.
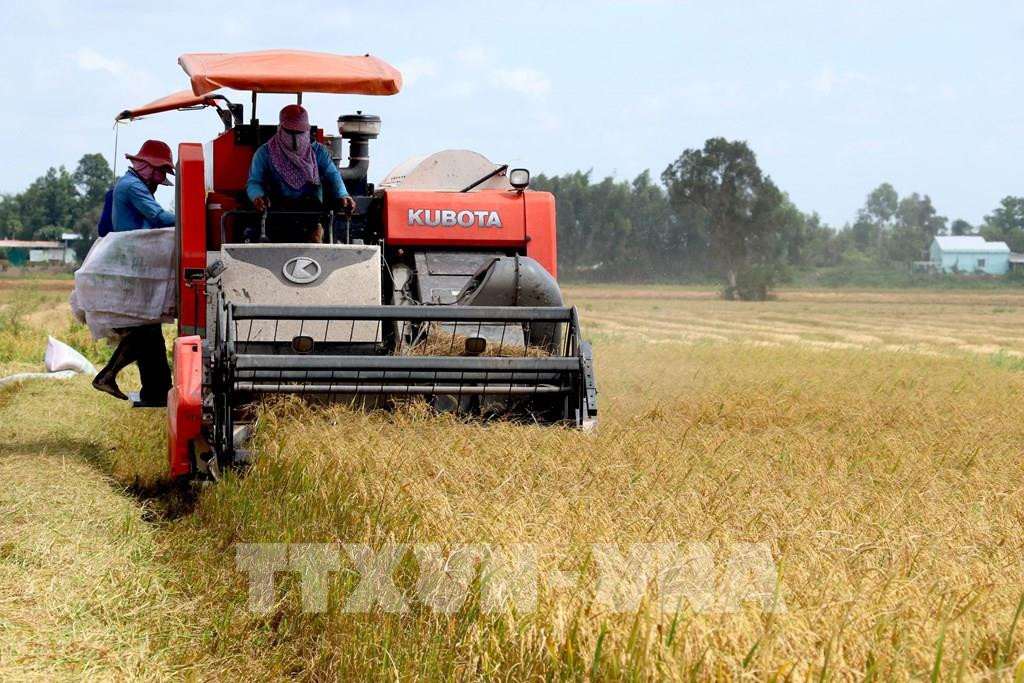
834	478
937	323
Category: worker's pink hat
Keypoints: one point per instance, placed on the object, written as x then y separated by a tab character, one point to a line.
294	117
155	153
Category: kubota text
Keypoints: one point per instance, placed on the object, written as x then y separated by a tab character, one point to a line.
448	218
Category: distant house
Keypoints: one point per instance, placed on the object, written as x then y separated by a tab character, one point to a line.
20	252
969	254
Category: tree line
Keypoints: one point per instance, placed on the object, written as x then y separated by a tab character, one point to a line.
713	214
59	201
716	216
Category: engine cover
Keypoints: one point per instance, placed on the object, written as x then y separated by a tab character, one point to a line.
302	275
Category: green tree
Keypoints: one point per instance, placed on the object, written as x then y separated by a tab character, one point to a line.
822	245
59	202
92	177
882	204
917	222
1006	223
875	220
961	227
617	229
11	225
740	202
51	200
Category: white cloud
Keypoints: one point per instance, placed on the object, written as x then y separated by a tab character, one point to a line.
415	69
90	60
234	28
525	81
550	121
460	88
474	55
826	81
337	18
830	80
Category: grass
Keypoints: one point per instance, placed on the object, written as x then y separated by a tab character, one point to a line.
28	307
869	441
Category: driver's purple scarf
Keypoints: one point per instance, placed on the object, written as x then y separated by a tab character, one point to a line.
296	167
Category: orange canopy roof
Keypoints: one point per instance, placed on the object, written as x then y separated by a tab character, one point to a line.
290	71
182	99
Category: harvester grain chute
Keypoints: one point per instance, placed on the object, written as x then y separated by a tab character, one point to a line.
439	287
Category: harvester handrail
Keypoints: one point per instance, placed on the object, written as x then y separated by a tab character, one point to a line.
440	312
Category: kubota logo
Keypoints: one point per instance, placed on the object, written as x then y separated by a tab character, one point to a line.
301	270
448	218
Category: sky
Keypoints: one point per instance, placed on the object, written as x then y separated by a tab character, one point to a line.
834	97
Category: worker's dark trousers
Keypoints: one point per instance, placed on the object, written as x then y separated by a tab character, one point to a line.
143	345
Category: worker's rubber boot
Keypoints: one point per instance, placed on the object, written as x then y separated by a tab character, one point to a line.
153	368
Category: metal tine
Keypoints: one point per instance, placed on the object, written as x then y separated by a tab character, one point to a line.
427	340
305	379
462	375
327	328
526	352
280	376
351	333
512	376
378	332
454	331
399	344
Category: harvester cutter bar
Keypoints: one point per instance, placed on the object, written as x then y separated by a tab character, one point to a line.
554	387
276	375
400	389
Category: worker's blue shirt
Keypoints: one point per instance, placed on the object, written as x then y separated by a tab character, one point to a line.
134	207
265	181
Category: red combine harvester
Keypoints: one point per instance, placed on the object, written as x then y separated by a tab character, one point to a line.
440	285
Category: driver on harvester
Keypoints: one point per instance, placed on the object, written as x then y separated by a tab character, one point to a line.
292	172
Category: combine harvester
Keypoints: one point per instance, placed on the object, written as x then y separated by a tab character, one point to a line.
440	285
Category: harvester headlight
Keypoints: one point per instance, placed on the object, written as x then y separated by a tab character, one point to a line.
302	344
475	346
519	178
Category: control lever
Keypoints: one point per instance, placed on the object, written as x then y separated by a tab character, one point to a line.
263	228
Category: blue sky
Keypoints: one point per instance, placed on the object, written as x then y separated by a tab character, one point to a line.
834	97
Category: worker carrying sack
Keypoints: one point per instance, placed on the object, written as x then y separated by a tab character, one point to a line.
127	280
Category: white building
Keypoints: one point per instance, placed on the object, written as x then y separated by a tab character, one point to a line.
969	254
41	251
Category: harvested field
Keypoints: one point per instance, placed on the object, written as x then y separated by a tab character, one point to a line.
925	322
839	473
